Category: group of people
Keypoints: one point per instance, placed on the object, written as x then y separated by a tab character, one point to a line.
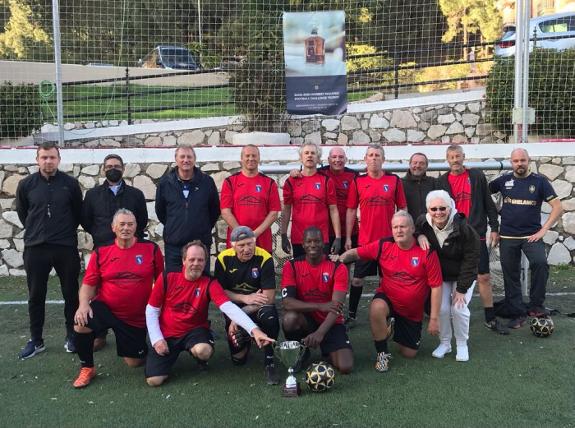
425	237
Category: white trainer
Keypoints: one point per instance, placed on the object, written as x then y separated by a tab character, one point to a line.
441	350
462	353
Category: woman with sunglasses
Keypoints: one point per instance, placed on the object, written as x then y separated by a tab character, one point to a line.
457	245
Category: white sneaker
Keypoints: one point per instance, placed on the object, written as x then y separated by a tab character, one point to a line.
441	350
462	353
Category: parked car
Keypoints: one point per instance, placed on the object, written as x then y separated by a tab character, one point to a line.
544	29
170	57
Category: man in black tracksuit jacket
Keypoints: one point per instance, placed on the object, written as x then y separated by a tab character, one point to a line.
49	205
187	204
102	202
416	185
469	190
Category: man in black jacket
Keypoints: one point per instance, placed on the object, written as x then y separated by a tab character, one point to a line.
102	202
469	190
417	184
49	205
187	204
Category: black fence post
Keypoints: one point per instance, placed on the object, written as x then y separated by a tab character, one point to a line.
128	96
395	76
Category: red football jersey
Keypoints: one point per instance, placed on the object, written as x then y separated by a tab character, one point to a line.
377	199
251	199
184	306
406	275
461	190
310	198
124	277
342	182
314	283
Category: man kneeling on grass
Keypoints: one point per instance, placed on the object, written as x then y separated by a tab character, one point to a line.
313	292
407	274
114	293
177	315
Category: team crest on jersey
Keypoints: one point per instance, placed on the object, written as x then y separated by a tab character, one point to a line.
317	186
415	261
255	273
509	184
139	259
532	189
386	187
325	277
197	292
345	184
258	188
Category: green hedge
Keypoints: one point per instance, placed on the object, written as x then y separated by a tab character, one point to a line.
551	92
20	110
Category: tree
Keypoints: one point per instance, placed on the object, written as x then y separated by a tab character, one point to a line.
466	17
22	31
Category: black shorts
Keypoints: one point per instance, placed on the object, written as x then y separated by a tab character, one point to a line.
342	250
483	267
130	340
160	365
297	250
406	332
334	340
365	268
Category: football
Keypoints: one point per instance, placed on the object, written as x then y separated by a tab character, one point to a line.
320	376
542	327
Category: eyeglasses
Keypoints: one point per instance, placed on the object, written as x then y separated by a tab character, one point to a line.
434	209
109	167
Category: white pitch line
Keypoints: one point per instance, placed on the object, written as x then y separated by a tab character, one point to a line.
365	296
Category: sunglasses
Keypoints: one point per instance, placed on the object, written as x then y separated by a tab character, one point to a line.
434	209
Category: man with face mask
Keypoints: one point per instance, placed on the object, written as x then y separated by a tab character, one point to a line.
100	205
103	201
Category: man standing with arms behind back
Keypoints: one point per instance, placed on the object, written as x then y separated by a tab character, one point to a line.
102	202
250	198
523	194
417	184
468	188
377	194
49	205
188	206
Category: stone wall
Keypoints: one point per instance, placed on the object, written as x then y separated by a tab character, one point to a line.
462	122
560	241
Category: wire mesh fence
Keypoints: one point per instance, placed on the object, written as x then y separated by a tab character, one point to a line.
128	60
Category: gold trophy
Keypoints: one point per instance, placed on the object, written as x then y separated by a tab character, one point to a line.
289	353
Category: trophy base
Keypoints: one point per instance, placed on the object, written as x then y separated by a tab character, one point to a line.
291	391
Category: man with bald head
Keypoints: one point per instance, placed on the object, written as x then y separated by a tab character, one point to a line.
250	198
523	193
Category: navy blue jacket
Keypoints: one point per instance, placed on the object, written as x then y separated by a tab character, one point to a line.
186	219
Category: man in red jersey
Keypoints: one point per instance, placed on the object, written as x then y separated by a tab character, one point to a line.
408	272
468	188
313	292
250	198
114	294
342	178
309	201
177	315
377	194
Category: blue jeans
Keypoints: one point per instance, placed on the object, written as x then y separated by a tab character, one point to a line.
510	251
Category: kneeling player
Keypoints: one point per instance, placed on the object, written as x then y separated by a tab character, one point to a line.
313	292
246	273
407	274
114	294
177	315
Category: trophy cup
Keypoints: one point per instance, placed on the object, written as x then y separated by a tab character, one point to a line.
289	353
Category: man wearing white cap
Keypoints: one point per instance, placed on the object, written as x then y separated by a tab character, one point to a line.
246	273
